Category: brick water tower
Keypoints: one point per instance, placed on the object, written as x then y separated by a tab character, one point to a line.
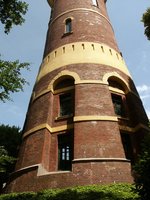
85	119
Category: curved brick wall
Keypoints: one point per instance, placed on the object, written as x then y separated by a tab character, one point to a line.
89	55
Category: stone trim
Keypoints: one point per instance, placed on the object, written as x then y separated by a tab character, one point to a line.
75	54
101	160
95	118
84	118
83	10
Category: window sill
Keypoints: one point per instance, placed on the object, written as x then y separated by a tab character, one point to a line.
95	6
66	34
122	118
63	117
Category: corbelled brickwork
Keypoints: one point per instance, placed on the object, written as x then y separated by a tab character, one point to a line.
85	120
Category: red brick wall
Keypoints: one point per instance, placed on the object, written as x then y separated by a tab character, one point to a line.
86	26
93	139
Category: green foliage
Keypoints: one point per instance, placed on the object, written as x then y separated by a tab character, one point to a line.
146	21
19	196
10	139
5	160
142	168
10	78
11	13
94	192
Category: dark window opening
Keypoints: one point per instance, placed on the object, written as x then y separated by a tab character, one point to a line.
65	151
118	105
126	141
68	26
66	104
67	82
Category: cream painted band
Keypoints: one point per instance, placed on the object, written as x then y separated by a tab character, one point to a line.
116	90
82	52
50	89
84	118
95	118
79	81
81	9
101	159
49	128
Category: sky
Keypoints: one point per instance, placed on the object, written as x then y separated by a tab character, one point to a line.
26	43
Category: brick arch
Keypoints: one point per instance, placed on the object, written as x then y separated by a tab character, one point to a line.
118	79
66	73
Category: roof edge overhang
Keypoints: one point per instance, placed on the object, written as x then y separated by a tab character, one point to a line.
50	2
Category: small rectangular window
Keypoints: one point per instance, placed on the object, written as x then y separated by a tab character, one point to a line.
118	105
95	3
68	26
66	104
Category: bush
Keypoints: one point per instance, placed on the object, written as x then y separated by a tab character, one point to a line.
142	167
94	192
19	196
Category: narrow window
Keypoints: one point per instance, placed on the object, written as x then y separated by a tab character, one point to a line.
68	25
73	47
95	3
118	105
126	141
102	48
110	51
66	104
65	151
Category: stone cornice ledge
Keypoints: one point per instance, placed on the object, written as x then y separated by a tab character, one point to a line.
84	118
101	160
95	118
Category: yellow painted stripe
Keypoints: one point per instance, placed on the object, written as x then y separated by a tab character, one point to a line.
82	52
95	118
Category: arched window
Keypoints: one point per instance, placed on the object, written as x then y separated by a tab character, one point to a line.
68	25
63	109
65	96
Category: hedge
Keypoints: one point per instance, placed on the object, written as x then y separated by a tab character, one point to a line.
94	192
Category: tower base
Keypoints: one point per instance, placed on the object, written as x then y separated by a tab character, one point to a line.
35	178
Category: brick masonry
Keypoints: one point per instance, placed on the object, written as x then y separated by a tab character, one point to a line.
98	152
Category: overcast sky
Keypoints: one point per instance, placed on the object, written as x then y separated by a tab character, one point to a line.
26	43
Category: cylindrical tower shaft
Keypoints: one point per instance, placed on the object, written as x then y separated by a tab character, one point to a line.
80	127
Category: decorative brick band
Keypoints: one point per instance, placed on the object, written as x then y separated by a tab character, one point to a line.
101	160
49	128
84	118
83	10
95	118
80	52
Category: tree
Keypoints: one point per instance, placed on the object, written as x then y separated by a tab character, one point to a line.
10	78
142	167
5	163
11	13
146	21
10	139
